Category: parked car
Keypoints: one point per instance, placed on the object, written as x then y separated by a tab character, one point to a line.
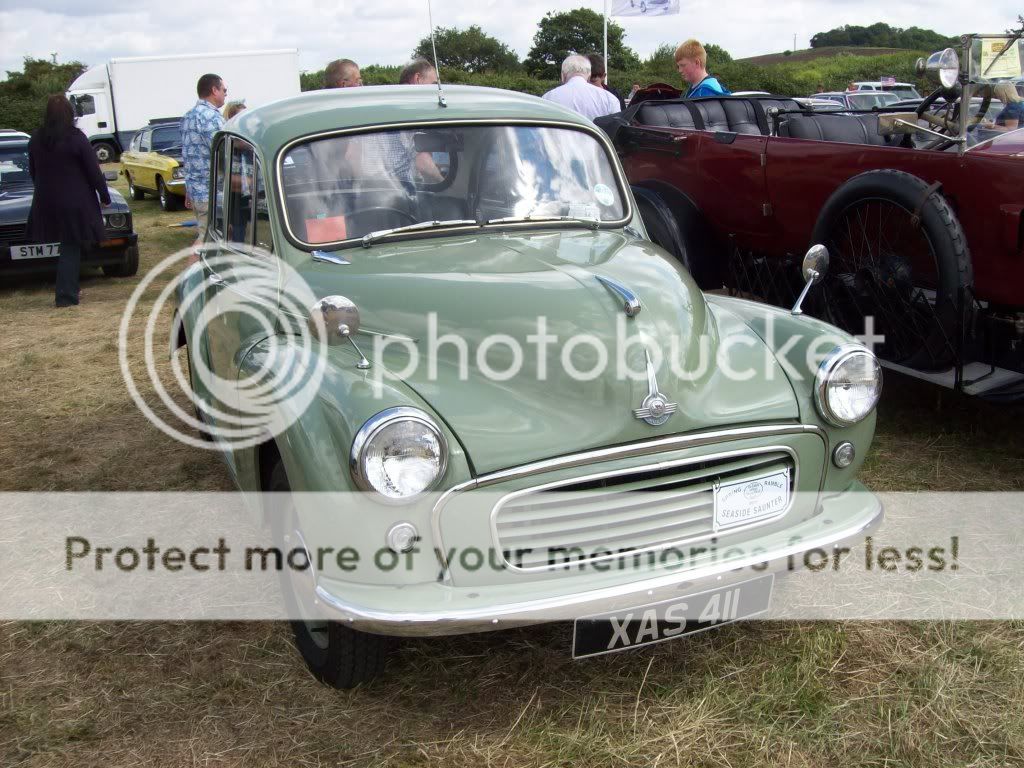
118	254
152	163
857	100
902	90
924	229
817	105
530	217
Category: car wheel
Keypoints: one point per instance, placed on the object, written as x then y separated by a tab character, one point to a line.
128	266
336	654
168	201
105	152
135	192
680	230
899	255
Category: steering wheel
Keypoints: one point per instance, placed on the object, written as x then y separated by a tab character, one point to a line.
382	214
949	123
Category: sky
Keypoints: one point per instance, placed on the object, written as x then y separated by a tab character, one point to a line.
386	31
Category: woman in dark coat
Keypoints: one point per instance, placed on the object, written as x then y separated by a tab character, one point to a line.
67	180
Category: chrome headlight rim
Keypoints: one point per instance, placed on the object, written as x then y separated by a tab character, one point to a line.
372	427
836	358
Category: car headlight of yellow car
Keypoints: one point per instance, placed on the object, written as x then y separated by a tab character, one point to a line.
178	173
398	454
848	385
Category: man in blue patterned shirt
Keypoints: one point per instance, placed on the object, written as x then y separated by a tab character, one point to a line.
197	129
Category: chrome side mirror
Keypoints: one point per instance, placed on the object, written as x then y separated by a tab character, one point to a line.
814	268
335	319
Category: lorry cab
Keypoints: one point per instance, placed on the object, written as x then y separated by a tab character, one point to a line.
90	97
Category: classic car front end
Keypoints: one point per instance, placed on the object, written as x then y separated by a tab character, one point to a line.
525	403
117	254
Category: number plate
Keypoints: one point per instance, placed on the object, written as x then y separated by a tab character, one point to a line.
667	620
41	251
751	500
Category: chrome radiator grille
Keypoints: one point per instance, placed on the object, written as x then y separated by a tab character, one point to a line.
636	510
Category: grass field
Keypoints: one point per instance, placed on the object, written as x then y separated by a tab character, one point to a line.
810	54
174	694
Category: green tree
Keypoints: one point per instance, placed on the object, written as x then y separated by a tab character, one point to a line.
882	36
577	31
470	50
23	94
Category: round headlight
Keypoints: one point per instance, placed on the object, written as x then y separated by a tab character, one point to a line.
848	385
399	454
116	220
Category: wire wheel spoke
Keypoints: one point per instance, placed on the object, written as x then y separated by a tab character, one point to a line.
885	266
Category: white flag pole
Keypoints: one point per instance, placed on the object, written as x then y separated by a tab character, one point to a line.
606	39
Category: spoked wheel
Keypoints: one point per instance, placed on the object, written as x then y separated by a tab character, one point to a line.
898	257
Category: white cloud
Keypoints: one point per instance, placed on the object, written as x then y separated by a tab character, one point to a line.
386	31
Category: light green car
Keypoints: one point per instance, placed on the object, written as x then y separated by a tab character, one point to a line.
525	402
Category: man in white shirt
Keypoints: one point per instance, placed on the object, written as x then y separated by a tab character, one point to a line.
578	94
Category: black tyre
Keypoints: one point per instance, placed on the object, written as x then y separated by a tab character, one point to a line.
128	266
135	192
168	200
203	433
105	152
679	229
898	255
336	654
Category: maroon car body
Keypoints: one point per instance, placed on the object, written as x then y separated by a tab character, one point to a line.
740	188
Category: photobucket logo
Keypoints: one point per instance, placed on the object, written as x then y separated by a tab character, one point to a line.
253	365
732	351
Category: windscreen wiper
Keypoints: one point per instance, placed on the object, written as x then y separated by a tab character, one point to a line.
592	223
372	237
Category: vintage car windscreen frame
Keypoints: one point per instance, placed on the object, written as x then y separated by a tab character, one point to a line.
417	179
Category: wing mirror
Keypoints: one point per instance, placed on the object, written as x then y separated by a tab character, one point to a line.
335	319
814	268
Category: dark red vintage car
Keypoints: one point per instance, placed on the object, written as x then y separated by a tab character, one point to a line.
920	212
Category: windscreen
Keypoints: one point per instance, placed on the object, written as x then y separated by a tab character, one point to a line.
14	165
344	187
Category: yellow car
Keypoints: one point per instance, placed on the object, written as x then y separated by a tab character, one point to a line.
153	164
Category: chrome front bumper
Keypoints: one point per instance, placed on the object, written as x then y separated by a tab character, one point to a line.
440	609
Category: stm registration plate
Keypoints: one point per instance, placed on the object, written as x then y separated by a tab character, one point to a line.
40	251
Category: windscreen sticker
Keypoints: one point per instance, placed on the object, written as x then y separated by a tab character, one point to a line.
325	229
995	65
604	194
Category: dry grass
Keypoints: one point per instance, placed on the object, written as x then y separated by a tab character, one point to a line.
230	694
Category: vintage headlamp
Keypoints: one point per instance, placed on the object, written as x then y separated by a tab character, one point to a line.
398	454
848	385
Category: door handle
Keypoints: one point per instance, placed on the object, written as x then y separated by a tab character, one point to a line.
215	280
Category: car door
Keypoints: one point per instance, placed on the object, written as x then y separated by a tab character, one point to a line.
130	157
145	177
241	281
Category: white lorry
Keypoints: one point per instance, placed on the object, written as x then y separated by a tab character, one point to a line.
114	100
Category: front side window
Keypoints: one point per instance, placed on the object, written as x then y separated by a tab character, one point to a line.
344	187
241	186
86	105
216	211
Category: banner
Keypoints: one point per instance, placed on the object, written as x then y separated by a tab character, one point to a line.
644	7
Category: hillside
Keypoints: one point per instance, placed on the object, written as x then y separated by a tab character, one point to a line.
810	54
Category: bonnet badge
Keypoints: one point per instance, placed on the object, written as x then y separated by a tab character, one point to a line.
655	409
